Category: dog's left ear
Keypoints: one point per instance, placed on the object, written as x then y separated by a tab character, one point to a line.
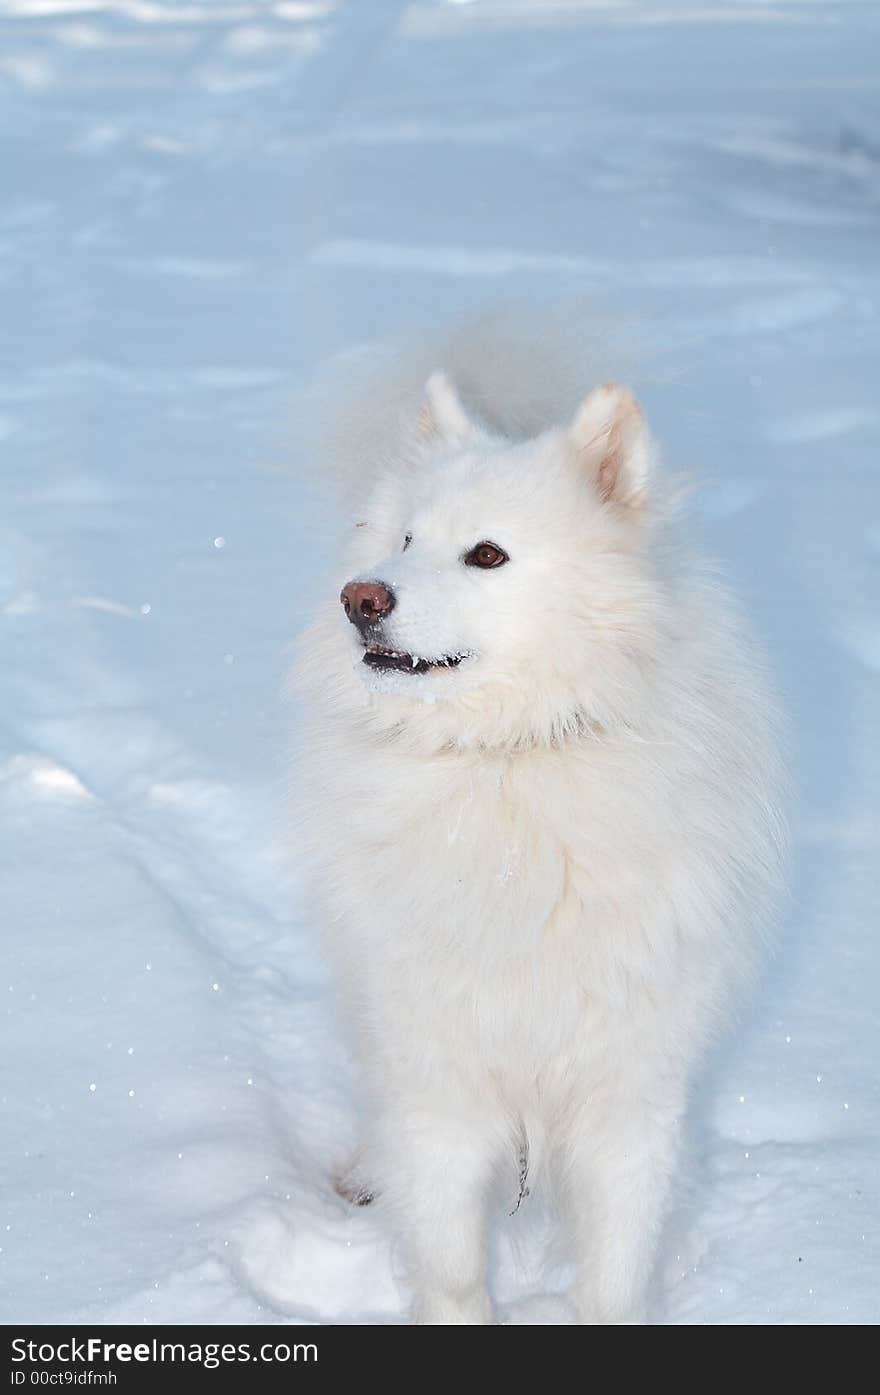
612	443
441	414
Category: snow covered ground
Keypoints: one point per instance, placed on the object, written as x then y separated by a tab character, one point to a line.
198	202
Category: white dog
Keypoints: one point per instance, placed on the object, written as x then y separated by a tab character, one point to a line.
542	788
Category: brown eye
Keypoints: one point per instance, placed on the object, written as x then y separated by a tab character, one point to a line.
486	555
406	542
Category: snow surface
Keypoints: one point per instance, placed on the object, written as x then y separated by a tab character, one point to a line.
199	202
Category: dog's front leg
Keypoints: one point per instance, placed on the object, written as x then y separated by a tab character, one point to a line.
437	1169
619	1169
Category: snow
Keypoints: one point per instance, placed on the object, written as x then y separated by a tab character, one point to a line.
199	203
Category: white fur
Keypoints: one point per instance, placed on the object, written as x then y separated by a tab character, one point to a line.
546	872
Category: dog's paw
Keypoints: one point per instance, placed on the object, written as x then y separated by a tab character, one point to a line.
350	1183
592	1314
442	1310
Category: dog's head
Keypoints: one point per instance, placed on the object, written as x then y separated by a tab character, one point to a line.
508	586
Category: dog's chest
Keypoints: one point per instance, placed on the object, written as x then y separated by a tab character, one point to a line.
472	924
463	854
486	902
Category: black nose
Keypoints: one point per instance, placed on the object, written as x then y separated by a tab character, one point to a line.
367	602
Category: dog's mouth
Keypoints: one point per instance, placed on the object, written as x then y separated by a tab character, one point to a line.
380	656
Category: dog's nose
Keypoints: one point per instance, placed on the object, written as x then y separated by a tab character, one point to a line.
367	602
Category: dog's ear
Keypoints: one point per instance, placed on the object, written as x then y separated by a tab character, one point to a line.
441	414
612	443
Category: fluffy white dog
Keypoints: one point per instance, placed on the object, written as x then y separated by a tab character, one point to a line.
542	789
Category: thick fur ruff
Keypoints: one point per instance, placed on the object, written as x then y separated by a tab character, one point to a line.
547	868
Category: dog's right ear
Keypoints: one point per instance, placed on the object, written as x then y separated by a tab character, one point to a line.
613	445
441	415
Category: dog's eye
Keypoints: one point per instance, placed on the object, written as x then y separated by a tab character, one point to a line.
407	540
486	555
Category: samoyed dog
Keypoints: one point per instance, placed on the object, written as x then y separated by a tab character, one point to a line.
542	793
